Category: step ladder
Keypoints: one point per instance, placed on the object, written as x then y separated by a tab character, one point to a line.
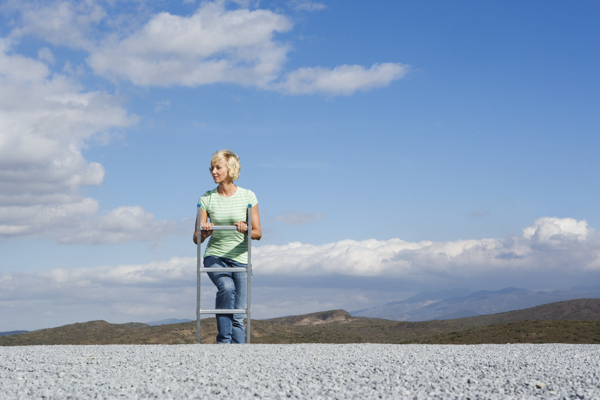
200	269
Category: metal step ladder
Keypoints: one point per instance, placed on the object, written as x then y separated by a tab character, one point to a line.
200	269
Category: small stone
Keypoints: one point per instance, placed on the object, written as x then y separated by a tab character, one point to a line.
540	385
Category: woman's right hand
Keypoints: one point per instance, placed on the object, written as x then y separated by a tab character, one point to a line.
206	230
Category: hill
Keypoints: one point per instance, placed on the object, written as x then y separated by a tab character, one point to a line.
577	332
573	321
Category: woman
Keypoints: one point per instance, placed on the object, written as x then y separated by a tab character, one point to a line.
227	204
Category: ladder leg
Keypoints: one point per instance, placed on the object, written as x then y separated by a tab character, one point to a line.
249	274
198	278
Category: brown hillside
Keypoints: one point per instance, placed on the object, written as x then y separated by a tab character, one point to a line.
581	309
337	326
576	332
323	317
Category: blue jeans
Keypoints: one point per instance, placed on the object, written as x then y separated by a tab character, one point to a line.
232	292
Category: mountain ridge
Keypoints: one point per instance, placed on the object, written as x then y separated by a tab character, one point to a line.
462	303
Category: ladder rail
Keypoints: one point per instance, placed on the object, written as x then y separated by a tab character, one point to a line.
200	269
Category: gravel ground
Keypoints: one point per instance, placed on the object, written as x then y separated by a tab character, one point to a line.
354	371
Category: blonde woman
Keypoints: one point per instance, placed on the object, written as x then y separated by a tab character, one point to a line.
227	204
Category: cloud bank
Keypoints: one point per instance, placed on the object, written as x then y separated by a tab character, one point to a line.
370	272
549	245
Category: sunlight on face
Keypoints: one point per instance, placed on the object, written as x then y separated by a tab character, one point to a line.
219	172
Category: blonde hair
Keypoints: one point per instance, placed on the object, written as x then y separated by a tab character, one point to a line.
232	161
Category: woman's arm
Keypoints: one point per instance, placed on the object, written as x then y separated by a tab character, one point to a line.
206	232
242	226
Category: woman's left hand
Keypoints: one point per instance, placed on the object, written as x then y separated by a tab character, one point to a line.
241	226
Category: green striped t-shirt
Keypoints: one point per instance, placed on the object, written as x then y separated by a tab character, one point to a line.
224	210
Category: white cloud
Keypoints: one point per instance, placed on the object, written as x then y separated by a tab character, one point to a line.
213	45
555	231
46	120
548	246
342	80
63	23
315	277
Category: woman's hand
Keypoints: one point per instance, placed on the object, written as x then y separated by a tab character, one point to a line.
206	230
205	226
242	227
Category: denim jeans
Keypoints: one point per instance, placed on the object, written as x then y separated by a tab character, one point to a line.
232	292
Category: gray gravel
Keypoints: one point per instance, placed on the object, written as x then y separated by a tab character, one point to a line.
355	371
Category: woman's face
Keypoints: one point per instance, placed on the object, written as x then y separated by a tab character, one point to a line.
219	172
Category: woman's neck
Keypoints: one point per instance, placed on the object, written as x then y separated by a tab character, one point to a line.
227	189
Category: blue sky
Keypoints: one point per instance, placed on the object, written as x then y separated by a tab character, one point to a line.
394	147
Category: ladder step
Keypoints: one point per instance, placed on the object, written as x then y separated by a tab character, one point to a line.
222	228
224	311
224	269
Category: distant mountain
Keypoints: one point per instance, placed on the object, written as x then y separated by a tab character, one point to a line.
169	321
453	304
11	333
400	310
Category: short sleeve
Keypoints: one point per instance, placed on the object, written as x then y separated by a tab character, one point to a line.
204	201
252	198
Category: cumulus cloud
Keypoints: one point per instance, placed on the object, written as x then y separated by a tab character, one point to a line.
558	251
556	231
46	119
213	45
